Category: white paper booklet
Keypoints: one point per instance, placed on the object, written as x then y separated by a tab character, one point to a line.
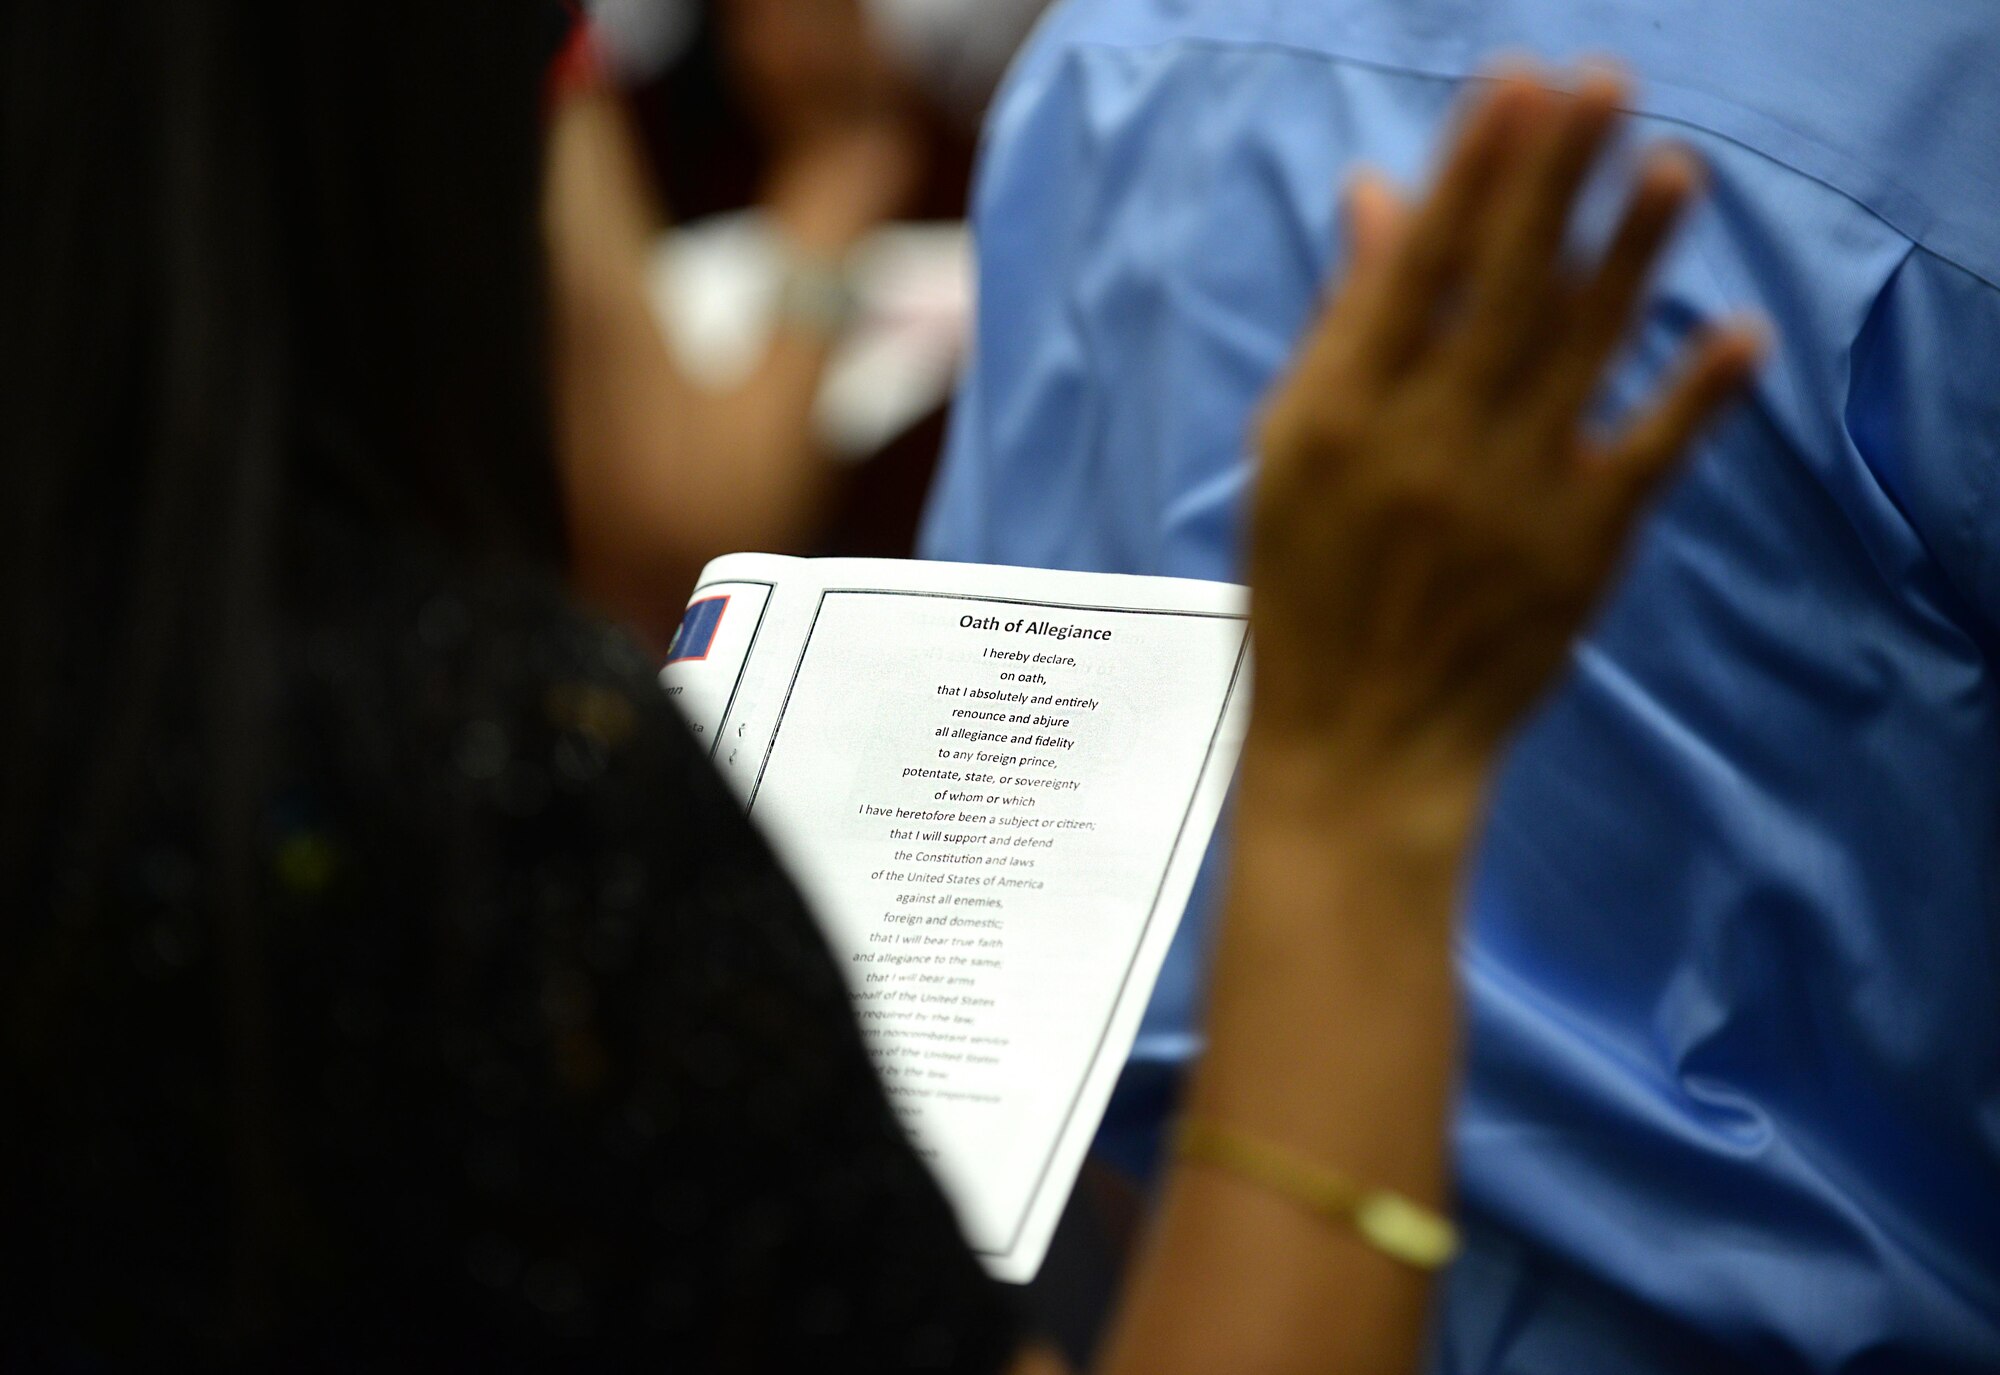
995	786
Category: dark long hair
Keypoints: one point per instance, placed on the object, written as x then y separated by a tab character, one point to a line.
253	255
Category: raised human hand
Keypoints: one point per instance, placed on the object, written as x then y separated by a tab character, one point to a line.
839	115
1434	521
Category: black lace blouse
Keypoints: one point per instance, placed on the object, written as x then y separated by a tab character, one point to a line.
529	1057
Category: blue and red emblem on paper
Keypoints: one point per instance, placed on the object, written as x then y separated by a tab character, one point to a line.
697	633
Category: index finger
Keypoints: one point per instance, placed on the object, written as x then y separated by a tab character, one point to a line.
1399	308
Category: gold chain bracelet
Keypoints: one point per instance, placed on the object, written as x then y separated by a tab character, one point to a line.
1396	1226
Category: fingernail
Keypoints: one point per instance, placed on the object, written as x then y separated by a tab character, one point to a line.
1682	162
1600	72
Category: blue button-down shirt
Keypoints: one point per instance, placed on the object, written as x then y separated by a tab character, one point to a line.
1732	957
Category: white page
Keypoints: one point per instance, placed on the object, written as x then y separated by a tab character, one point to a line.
997	828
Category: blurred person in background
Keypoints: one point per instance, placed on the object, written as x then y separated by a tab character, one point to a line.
387	983
664	473
1733	954
830	119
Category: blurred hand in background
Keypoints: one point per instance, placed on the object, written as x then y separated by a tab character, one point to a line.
837	113
664	474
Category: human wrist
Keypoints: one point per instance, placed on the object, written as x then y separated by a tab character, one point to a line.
825	226
816	294
1332	1015
1311	791
1332	985
1394	1226
826	192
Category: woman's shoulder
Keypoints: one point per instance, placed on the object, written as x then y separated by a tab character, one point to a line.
578	910
408	639
361	610
424	698
467	750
